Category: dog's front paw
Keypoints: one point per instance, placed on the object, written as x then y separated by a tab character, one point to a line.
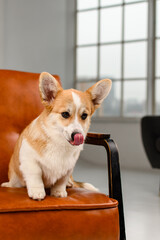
36	193
58	193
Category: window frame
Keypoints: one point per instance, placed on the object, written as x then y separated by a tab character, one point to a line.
151	48
156	39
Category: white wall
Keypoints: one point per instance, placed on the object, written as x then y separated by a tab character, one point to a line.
38	35
1	33
127	135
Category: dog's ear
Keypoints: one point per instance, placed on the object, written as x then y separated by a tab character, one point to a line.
99	91
49	87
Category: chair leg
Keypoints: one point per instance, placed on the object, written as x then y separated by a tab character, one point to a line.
115	189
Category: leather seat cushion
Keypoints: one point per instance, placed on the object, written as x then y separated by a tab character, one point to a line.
16	200
82	215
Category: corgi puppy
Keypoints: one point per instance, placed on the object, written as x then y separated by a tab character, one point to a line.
48	148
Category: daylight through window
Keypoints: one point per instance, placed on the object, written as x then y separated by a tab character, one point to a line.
112	42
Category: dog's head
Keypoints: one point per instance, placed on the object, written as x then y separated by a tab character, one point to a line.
69	112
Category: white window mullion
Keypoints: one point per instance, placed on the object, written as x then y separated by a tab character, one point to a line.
122	65
151	58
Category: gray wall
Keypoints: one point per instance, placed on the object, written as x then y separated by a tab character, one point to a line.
127	135
38	35
1	33
34	36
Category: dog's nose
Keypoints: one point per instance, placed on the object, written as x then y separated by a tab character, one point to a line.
73	134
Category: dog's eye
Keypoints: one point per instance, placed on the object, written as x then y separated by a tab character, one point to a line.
84	116
65	114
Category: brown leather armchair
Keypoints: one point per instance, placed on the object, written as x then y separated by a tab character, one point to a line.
81	215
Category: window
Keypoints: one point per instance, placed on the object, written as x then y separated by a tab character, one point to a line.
112	42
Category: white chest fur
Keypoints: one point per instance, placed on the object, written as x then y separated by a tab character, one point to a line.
56	160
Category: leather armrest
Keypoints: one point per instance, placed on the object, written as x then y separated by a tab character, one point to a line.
98	135
96	138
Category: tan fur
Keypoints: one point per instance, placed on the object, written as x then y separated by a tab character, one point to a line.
14	162
38	144
76	184
64	98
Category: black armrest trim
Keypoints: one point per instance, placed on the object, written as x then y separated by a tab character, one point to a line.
115	189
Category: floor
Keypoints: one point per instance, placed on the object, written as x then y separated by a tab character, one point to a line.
140	194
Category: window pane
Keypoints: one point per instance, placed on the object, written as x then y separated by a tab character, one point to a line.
135	60
110	2
85	4
86	63
111	105
158	58
87	27
111	24
83	86
135	98
158	19
158	96
110	61
136	21
129	1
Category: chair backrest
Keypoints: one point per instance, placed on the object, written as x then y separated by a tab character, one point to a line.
20	103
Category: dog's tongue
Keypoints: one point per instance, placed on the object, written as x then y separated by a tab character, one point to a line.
78	139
